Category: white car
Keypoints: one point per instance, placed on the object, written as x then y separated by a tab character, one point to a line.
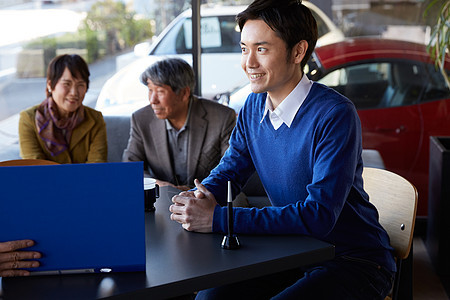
123	93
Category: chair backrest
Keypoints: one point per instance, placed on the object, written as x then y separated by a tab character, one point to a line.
26	162
118	133
396	201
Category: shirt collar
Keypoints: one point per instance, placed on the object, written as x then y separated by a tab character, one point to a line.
287	109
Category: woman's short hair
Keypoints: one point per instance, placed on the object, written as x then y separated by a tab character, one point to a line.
173	72
76	65
291	21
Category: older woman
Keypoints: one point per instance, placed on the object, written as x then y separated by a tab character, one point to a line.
61	128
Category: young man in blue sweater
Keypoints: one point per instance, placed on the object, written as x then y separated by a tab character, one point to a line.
304	140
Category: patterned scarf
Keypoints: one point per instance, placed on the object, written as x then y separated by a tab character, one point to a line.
53	130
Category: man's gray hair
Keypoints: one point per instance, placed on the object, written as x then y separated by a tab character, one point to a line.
173	72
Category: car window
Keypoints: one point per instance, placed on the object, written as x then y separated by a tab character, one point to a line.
363	84
167	44
436	88
406	84
322	28
219	34
387	84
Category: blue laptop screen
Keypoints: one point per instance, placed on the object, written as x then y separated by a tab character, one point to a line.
83	217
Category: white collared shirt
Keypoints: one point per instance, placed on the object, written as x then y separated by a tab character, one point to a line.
287	109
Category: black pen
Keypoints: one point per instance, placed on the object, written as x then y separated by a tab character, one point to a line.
230	210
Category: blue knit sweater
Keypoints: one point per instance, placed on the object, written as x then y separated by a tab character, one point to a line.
312	173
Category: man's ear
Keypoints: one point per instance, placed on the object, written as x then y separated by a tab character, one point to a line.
299	51
185	93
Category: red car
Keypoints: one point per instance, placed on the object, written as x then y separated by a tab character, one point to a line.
402	100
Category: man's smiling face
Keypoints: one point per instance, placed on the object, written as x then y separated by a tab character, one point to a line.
265	60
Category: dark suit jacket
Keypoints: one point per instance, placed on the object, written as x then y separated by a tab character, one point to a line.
210	126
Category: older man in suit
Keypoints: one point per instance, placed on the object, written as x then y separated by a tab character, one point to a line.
179	137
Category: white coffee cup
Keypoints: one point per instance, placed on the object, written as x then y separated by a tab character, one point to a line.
151	192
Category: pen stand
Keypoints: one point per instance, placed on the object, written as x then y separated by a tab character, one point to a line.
230	242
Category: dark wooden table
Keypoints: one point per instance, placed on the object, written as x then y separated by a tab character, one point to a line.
177	262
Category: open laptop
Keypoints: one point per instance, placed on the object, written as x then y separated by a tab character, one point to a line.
84	218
